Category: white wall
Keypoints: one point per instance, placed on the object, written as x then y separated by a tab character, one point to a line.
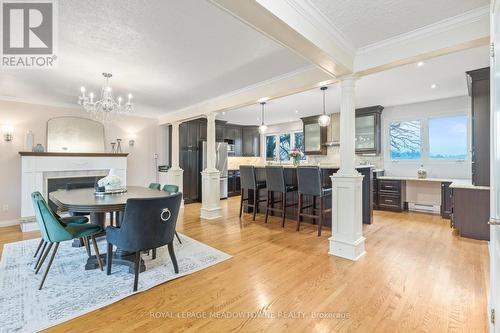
420	111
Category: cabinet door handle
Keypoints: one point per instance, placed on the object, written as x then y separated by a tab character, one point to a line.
494	222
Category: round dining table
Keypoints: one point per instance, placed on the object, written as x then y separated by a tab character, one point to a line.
85	200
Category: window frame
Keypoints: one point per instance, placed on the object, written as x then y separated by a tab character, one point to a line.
276	157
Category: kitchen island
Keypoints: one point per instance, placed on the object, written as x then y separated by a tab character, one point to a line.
326	171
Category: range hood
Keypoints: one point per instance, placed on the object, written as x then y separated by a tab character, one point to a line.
333	136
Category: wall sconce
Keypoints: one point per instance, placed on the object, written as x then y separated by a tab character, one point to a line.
131	140
8	132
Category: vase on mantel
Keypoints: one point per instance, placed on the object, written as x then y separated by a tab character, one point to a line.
30	141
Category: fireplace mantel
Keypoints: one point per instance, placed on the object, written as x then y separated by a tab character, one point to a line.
30	153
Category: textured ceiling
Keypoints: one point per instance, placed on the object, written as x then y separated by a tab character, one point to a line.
169	54
402	85
364	22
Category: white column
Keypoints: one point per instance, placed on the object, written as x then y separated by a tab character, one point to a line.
347	239
175	173
210	177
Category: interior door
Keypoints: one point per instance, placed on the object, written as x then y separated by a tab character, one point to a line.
494	300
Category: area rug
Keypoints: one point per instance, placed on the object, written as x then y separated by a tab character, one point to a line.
71	291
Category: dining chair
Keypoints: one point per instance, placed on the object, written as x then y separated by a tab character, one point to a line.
155	186
170	189
54	232
147	224
64	220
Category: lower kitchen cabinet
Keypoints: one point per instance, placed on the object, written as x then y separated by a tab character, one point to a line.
471	212
233	183
446	200
391	195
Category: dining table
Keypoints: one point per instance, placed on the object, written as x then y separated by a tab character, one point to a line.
97	205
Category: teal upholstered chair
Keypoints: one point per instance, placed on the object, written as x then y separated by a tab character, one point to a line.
64	220
170	188
155	186
54	231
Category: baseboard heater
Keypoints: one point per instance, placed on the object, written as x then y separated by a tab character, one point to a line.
427	208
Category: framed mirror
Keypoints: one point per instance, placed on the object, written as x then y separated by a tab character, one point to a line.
75	135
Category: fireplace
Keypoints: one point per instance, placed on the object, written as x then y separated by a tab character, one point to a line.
68	183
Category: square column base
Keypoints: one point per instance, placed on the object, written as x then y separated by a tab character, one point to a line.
210	188
347	239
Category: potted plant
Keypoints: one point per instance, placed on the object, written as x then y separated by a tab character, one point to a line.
296	155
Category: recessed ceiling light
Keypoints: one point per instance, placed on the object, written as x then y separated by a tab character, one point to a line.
296	111
433	86
420	63
223	113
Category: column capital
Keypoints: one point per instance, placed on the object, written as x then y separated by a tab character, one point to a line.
349	78
211	115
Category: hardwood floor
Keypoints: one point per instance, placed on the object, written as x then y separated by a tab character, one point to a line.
416	276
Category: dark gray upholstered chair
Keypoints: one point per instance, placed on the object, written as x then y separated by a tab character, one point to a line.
276	182
249	183
309	184
147	224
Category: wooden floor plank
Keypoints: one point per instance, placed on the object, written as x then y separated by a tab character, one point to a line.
416	276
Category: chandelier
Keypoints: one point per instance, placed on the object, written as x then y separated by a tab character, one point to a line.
105	107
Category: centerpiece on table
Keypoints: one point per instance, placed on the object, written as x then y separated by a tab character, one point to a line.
296	154
110	184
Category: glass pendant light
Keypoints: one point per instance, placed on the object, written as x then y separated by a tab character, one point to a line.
324	119
262	127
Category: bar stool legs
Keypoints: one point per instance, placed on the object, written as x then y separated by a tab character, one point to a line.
320	216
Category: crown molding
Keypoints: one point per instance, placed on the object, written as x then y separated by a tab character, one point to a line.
440	26
321	22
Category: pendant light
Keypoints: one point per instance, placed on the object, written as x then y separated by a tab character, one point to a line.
324	119
262	127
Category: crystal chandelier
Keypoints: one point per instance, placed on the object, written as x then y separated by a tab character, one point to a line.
105	107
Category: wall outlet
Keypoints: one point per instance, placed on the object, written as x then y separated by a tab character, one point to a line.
5	208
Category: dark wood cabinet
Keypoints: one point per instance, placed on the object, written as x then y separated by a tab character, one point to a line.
315	136
220	130
233	133
446	200
376	175
368	130
189	137
471	212
479	90
250	141
391	195
234	183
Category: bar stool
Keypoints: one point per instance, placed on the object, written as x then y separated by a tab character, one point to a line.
275	181
309	181
249	182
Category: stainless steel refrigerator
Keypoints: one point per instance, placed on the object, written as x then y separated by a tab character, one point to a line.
220	164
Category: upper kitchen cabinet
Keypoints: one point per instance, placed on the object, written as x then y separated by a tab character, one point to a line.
234	135
251	141
315	136
368	130
479	89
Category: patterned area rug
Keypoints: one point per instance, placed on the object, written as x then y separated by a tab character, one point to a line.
71	291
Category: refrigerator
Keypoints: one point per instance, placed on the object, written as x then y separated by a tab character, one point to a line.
221	149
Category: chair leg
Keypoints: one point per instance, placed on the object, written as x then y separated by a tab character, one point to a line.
39	247
299	211
96	250
321	208
136	269
255	203
283	207
109	259
48	266
268	204
154	254
178	238
43	258
172	257
241	201
41	254
313	208
87	245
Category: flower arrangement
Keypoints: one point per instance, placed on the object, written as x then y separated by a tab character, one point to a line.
296	154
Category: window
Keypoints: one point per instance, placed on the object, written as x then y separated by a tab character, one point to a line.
405	140
448	137
299	142
285	145
270	147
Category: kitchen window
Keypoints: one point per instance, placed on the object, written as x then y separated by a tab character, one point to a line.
270	147
278	146
448	138
405	140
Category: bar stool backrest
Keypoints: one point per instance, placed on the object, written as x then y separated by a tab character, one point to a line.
275	178
309	180
247	177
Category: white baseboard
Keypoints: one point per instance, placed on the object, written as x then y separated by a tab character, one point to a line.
426	208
